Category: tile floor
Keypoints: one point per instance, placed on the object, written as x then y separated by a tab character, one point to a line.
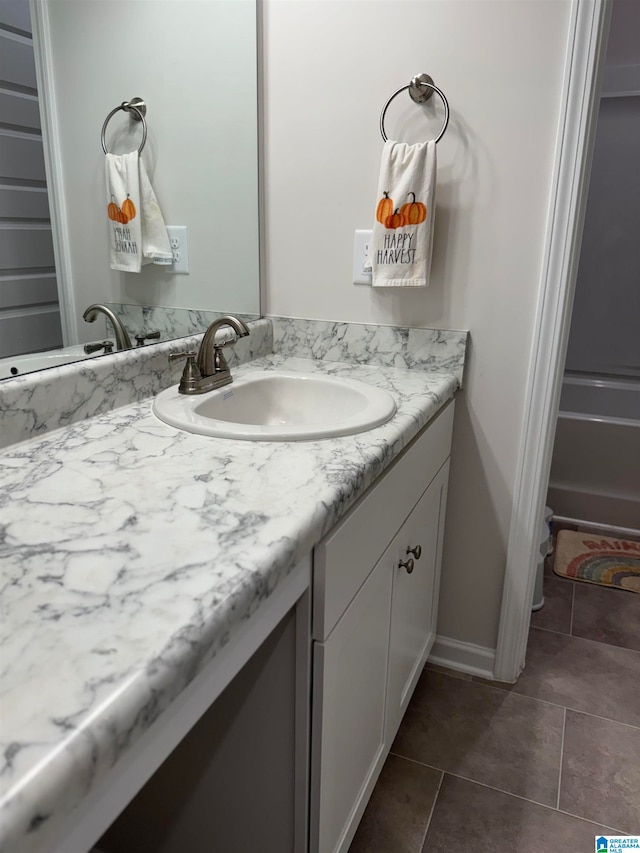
544	764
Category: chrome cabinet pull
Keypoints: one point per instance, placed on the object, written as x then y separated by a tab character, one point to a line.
417	551
408	565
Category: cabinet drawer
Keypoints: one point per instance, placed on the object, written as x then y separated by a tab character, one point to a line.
344	558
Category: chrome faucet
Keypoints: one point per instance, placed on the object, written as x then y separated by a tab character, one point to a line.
123	341
208	369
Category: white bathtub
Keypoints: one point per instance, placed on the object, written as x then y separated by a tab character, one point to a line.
595	471
19	364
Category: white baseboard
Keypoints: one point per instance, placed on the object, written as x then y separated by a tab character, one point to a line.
463	657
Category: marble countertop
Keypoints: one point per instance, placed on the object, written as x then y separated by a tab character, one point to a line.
131	551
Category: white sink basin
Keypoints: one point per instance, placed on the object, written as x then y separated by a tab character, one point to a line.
278	406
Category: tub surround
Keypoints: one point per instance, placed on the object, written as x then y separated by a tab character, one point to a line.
594	470
185	537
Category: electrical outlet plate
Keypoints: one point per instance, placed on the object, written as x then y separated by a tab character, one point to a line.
178	239
361	242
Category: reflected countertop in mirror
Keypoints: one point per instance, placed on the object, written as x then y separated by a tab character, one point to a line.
145	324
201	154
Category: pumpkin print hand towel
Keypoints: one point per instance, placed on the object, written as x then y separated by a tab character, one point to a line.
137	232
402	240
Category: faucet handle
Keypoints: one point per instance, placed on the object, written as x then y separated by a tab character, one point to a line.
176	356
107	346
150	336
190	375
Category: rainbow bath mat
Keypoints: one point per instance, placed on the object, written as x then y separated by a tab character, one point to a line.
598	559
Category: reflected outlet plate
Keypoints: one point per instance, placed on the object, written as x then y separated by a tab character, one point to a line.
178	239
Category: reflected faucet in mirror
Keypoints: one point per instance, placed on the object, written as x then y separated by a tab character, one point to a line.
207	369
150	336
105	346
123	341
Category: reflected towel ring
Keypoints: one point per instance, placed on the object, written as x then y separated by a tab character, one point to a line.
138	109
419	95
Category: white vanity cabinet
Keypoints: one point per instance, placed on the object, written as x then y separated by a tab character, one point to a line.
375	595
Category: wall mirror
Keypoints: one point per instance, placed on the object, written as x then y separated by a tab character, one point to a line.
67	64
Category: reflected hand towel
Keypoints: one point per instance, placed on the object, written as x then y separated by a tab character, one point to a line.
137	231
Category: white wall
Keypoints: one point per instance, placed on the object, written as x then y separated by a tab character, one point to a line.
329	67
195	65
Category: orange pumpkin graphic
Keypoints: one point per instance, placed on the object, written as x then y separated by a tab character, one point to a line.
414	211
112	210
385	208
122	218
129	208
396	220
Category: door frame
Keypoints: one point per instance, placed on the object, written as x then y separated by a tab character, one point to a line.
586	49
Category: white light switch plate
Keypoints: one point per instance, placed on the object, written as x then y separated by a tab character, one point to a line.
178	239
361	242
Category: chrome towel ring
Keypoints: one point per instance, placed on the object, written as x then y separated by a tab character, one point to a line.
421	88
137	109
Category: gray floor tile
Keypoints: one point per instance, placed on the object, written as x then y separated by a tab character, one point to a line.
582	675
601	771
555	615
469	818
607	615
501	739
396	818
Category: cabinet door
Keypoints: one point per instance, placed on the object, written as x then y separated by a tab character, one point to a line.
415	596
349	685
